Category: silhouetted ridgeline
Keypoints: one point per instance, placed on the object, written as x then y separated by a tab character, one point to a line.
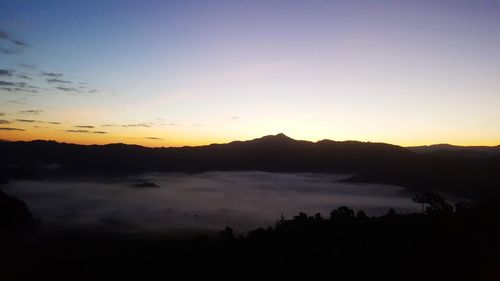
457	171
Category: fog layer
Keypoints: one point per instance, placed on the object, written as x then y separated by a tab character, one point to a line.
205	201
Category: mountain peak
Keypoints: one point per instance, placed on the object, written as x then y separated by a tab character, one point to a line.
282	136
275	138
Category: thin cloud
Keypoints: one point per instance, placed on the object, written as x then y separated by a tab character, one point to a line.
18	101
17	86
4	122
28	66
51	74
16	44
153	138
10	129
55	80
144	125
19	43
7	51
86	132
25	90
78	131
6	72
28	120
53	123
23	76
19	90
31	111
67	89
85	127
2	114
7	83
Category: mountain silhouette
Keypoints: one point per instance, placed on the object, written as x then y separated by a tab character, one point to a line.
477	151
454	171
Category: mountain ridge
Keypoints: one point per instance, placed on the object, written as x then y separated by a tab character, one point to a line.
453	171
284	137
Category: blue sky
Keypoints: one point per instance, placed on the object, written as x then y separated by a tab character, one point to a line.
195	72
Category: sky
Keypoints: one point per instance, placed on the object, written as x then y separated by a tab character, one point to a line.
175	73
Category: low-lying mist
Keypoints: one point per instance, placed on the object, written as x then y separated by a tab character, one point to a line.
199	202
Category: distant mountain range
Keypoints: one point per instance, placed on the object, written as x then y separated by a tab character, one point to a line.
473	151
469	171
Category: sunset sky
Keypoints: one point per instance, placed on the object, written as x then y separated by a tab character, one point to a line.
173	73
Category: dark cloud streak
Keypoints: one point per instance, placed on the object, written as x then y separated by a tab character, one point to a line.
16	44
28	120
67	89
10	129
86	132
6	72
55	80
31	111
85	127
51	74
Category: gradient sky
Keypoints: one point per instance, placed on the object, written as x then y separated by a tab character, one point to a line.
172	73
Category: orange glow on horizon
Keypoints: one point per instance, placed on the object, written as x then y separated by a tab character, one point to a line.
176	140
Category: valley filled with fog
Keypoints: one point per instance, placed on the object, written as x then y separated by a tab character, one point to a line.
199	202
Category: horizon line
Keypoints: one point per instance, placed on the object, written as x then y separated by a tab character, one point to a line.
271	135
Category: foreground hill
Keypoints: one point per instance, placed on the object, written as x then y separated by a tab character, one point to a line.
368	162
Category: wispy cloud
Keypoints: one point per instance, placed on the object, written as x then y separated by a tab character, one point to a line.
7	83
78	131
144	125
153	138
17	87
4	122
31	111
18	101
86	131
36	121
55	80
14	46
6	72
27	66
85	127
28	120
133	125
51	74
67	89
10	129
23	76
19	43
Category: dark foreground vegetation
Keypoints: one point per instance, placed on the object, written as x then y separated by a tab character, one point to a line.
442	243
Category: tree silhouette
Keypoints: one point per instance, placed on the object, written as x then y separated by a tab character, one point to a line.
342	212
435	202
